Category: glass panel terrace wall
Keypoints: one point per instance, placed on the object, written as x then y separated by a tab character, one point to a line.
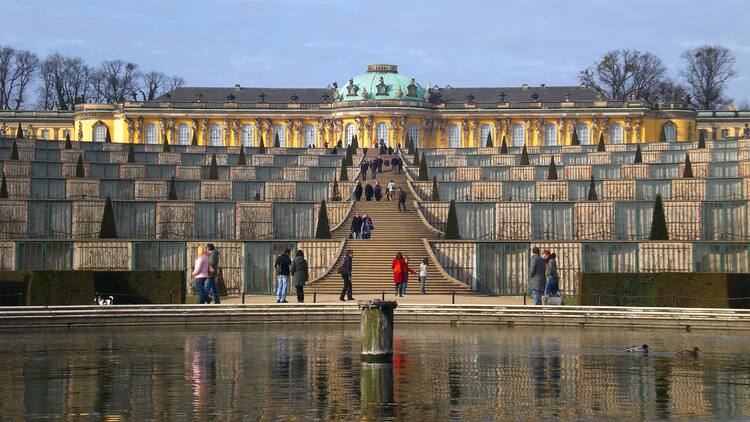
117	189
293	221
214	220
552	221
724	221
135	220
45	255
47	188
49	220
502	268
476	221
160	256
633	220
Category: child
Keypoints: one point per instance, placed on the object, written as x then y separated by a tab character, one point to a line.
423	277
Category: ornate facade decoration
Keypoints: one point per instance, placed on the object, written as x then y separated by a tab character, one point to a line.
131	128
382	88
351	89
204	130
139	129
475	131
80	131
637	128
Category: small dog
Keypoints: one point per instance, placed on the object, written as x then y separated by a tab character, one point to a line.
104	301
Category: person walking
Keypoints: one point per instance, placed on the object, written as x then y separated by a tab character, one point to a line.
366	227
551	288
389	190
356	226
200	272
282	264
400	269
401	199
378	191
346	273
537	270
212	282
406	273
358	192
369	192
363	170
423	277
373	168
300	274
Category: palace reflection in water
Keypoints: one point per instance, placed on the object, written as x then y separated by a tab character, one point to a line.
314	372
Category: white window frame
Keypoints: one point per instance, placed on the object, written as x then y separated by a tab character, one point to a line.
550	135
100	133
281	130
151	134
248	135
65	133
349	132
518	135
583	129
215	132
382	132
44	133
615	134
454	136
670	132
413	131
310	134
483	131
183	134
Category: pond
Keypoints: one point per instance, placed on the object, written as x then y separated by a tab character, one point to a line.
313	372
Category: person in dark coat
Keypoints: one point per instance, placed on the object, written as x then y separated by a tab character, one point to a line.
356	226
401	199
368	192
551	289
282	264
380	164
363	170
537	281
373	168
358	192
378	191
346	274
300	274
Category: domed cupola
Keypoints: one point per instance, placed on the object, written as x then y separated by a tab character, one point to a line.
381	82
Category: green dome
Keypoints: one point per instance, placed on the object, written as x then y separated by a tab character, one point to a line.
381	82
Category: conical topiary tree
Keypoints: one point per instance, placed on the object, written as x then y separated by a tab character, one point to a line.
80	169
488	143
504	146
19	132
687	172
592	190
335	191
108	229
435	190
323	230
638	159
601	147
423	176
108	137
524	156
213	171
662	135
276	142
416	151
131	154
552	171
344	176
574	138
241	161
14	151
355	142
451	226
68	144
165	144
172	196
194	139
261	146
701	139
3	188
659	221
416	160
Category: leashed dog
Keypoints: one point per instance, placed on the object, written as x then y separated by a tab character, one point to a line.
104	301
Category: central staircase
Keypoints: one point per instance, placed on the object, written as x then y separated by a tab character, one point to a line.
394	231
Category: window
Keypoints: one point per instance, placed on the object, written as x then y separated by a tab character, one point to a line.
350	131
44	134
152	134
670	132
214	135
281	131
483	132
66	133
583	133
615	134
518	135
550	135
310	134
183	134
413	131
100	133
454	136
248	135
381	132
725	133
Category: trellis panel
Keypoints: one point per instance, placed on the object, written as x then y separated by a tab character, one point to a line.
174	220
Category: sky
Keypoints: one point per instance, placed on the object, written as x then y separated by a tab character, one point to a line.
309	43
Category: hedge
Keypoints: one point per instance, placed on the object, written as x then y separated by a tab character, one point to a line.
692	290
52	288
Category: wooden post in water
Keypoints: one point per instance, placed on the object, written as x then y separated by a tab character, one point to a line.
377	330
376	384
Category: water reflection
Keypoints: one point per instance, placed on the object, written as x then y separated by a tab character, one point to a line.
309	373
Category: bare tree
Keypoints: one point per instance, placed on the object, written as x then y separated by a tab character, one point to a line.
65	82
151	84
707	70
173	83
17	71
670	91
625	74
114	81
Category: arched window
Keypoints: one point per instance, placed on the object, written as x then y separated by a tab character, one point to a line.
381	132
214	135
518	134
100	132
454	136
281	131
183	134
310	134
152	134
351	129
248	135
670	131
483	132
550	135
413	131
615	134
583	133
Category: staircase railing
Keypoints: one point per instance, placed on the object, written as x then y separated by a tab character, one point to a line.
342	243
439	267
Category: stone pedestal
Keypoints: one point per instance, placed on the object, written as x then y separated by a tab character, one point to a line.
377	330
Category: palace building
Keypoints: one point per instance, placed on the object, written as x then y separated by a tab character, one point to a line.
379	104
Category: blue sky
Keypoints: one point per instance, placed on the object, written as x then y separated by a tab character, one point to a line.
297	43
